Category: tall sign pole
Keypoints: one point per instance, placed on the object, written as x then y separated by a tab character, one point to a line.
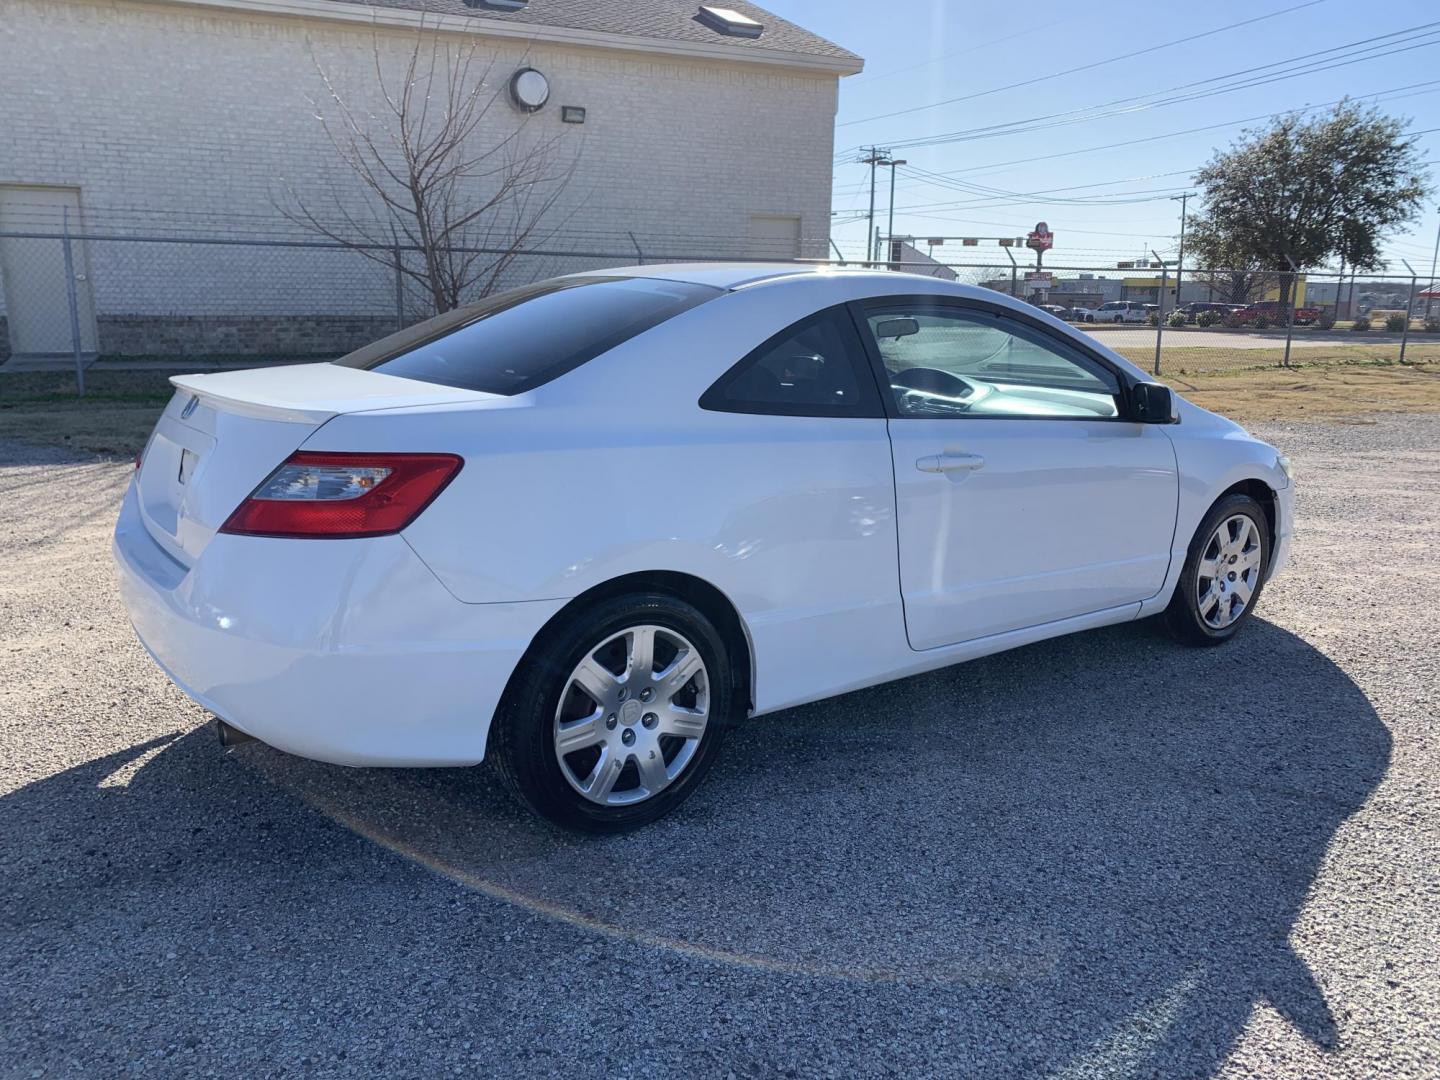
1433	257
1040	240
890	229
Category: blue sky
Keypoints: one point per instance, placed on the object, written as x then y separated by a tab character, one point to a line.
918	52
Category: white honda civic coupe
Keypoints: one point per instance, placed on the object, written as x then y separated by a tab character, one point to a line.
583	526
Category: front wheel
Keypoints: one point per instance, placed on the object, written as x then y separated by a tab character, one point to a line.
616	719
1223	573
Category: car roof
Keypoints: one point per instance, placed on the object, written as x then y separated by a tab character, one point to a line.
723	275
739	275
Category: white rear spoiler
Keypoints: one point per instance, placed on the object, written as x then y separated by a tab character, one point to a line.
313	393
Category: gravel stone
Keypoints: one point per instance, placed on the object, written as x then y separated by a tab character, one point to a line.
1100	856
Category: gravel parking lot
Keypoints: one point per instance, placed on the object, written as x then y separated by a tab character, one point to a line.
1099	856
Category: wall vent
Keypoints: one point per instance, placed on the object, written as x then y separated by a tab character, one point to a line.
729	21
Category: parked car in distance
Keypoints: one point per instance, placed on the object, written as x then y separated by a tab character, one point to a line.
1080	313
1195	310
1274	311
583	526
1058	310
1122	311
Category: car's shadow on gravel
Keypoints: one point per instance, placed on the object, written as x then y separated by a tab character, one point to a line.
1090	852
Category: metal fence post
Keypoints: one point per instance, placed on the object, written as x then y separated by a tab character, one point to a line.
399	292
1409	308
1160	313
640	255
74	300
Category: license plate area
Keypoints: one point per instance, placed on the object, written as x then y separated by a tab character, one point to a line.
172	459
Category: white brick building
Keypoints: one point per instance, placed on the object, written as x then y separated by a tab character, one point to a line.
196	118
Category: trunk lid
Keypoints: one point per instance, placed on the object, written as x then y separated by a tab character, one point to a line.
223	433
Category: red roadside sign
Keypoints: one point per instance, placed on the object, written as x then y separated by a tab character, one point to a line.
1040	238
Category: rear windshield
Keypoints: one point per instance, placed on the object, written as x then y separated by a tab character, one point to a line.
517	340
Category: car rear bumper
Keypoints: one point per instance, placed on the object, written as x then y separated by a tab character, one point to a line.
345	651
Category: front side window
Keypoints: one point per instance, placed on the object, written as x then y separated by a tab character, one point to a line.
519	339
815	368
953	362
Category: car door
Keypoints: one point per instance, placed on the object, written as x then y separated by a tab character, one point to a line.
1023	495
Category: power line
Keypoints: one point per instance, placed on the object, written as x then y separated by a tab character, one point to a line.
1046	195
1392	94
1183	93
1083	67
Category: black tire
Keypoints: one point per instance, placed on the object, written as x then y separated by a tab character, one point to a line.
1184	618
522	735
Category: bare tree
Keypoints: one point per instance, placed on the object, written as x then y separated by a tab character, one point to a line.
450	206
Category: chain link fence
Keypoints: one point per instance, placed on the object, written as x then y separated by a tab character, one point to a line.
1212	321
76	298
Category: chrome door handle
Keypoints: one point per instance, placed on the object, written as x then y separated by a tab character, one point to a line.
945	463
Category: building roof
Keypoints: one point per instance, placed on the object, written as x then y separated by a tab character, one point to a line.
675	21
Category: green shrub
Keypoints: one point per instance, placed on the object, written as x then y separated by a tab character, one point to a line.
1327	321
1262	322
1396	324
1362	323
1233	320
1432	324
1207	318
1154	319
1177	318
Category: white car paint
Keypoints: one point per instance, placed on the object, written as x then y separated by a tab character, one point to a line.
820	531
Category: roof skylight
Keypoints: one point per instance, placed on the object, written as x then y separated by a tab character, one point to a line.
729	21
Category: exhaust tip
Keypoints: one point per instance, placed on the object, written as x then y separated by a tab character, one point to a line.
231	736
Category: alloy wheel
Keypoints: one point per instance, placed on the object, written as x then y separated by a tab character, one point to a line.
1228	572
631	715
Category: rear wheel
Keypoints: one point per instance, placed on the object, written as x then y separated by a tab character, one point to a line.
1223	574
617	718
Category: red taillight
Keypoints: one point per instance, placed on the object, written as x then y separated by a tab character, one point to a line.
343	496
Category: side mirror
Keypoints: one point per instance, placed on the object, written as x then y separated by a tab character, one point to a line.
1151	403
897	328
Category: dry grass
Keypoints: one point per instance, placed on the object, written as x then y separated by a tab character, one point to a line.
113	419
116	417
1180	359
1318	392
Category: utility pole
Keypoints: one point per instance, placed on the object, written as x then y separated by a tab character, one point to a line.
877	157
1180	259
890	229
1433	256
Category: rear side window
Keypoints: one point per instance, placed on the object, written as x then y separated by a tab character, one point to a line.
517	340
816	367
